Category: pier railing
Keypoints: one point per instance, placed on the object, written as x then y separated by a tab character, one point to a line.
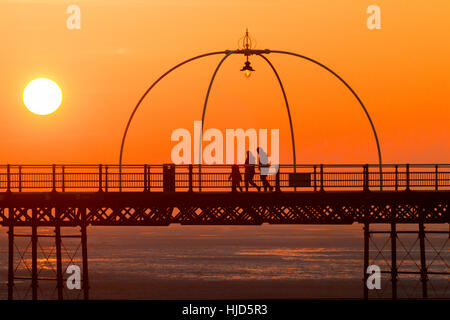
215	178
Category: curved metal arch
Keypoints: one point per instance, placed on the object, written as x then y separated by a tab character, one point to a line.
258	52
206	102
354	94
143	97
287	108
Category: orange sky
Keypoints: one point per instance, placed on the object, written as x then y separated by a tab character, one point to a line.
401	72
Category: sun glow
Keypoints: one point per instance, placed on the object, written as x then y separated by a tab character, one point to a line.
42	96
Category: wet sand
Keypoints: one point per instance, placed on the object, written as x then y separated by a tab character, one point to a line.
228	289
218	262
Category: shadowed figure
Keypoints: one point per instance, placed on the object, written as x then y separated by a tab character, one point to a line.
263	162
250	171
236	178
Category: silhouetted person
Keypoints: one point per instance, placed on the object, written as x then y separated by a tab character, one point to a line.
263	161
250	171
235	177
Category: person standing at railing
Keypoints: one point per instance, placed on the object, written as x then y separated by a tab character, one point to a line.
250	171
263	160
236	178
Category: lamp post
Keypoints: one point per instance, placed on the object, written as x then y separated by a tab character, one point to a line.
247	44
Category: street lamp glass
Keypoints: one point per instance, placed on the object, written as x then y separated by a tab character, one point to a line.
247	68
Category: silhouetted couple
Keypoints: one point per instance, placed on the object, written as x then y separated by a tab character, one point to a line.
249	173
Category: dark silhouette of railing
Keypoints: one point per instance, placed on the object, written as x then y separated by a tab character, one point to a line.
214	178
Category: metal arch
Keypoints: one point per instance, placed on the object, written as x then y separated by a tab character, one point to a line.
287	108
206	102
352	91
248	52
143	97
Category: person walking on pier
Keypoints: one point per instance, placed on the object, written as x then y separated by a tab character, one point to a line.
263	162
236	178
250	171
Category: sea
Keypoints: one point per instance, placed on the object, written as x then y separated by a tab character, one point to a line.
228	262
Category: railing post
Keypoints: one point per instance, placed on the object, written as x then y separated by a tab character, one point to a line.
315	178
174	177
106	178
277	180
149	181
321	178
63	179
190	178
381	178
436	177
407	177
8	178
396	177
100	178
20	178
53	178
145	178
366	177
199	178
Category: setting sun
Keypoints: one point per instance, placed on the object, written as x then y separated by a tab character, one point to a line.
42	96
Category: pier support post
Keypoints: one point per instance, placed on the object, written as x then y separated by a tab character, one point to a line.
84	254
10	258
59	272
366	259
423	265
34	270
394	260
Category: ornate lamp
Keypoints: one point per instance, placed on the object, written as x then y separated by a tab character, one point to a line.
247	44
247	69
